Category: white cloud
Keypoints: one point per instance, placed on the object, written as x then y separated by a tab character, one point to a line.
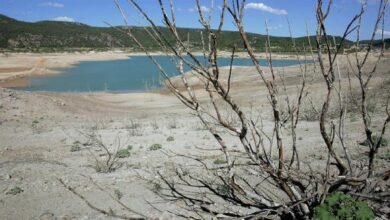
379	31
202	8
53	4
266	8
275	27
64	18
369	2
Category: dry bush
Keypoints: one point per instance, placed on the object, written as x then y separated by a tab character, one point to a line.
253	183
134	128
266	176
106	158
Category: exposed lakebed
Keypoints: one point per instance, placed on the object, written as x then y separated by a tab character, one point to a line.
138	73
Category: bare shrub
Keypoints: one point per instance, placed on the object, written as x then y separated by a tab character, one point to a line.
154	125
280	184
266	176
106	158
134	128
172	123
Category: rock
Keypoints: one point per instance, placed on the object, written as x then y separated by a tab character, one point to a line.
47	216
66	217
385	210
11	94
165	215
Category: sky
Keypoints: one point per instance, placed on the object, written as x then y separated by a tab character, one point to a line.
300	14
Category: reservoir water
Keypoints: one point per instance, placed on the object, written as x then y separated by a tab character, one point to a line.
137	73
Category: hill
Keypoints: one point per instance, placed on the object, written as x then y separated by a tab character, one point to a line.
57	36
377	43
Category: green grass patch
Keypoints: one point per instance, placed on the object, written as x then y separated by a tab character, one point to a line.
341	206
123	153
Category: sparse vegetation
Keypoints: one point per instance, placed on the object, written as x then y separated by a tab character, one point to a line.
118	194
14	191
107	161
309	113
385	155
223	190
154	147
134	129
340	206
172	123
36	126
170	139
157	187
75	148
123	153
154	125
219	161
384	142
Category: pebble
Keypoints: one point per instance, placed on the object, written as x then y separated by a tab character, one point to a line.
66	217
47	216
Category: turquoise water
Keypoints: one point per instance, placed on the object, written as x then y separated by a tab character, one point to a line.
137	73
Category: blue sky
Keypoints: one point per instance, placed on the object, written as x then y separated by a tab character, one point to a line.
276	12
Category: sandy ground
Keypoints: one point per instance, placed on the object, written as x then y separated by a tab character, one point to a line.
39	130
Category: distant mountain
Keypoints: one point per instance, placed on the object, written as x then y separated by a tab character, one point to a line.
377	43
57	35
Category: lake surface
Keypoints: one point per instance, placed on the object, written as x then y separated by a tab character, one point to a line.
137	73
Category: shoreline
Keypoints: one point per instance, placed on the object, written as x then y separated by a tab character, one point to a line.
16	67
